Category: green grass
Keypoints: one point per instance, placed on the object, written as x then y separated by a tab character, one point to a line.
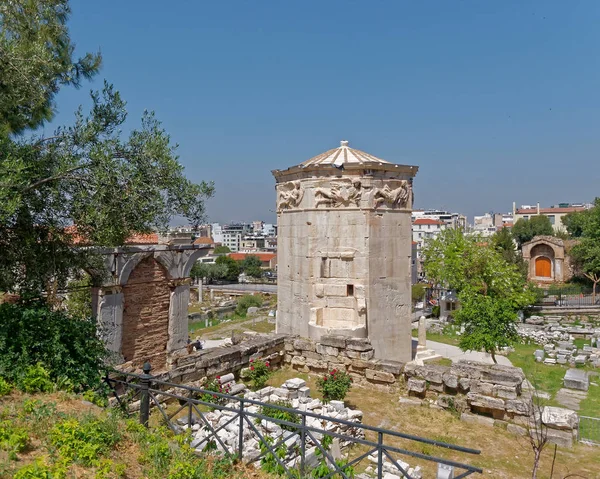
542	376
590	406
449	337
215	324
580	342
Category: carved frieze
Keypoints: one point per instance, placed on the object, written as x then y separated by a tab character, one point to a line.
290	195
394	198
340	194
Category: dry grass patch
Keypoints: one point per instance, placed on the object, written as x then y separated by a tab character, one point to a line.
503	455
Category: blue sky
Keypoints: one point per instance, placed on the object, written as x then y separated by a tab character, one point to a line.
495	101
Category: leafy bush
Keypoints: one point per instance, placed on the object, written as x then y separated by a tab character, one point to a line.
246	302
68	347
268	462
214	385
85	441
335	385
13	439
36	380
260	372
275	413
40	470
5	387
418	292
323	469
435	311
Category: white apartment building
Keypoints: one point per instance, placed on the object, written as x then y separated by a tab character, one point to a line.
424	229
555	213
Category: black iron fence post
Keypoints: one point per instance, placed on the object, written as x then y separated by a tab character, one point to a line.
241	431
145	394
302	445
379	455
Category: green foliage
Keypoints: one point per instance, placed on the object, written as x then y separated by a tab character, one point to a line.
246	302
418	292
39	469
214	385
268	462
252	266
260	372
99	398
79	297
37	410
35	46
5	387
85	441
209	271
334	385
280	415
574	223
233	267
89	174
13	439
435	311
323	469
525	230
221	249
490	323
490	289
68	347
503	242
586	253
36	379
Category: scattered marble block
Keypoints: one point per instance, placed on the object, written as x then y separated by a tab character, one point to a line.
539	355
577	379
549	361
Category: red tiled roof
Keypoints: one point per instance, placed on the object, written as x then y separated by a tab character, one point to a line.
549	211
262	256
427	221
136	238
204	240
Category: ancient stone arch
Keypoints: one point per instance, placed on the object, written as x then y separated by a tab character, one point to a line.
142	305
545	256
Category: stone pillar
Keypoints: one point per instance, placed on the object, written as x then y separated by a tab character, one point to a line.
200	289
212	295
178	315
422	333
109	313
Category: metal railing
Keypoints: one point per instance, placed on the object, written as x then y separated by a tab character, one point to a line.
589	430
149	391
579	300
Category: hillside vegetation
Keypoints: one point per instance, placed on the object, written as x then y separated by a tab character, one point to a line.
60	435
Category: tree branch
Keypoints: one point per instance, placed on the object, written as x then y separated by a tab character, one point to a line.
64	175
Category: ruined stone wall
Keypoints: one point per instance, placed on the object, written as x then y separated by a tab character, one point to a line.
146	314
352	355
188	368
490	394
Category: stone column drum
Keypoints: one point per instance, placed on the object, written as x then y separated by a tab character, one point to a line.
344	249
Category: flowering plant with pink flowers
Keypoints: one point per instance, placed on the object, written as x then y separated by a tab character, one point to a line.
334	385
260	372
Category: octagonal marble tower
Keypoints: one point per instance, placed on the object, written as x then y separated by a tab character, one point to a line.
344	249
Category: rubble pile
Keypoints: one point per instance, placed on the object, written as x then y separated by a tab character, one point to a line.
297	394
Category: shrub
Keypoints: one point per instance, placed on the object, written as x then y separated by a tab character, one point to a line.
68	347
260	372
435	311
246	302
13	439
5	387
40	470
275	413
335	385
214	385
36	379
85	441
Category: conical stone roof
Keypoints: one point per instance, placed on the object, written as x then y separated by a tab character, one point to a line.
344	155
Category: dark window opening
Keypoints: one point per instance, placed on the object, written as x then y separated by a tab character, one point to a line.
350	290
